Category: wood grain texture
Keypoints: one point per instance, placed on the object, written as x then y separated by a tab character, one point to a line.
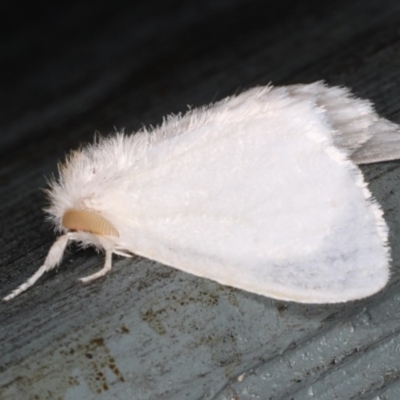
147	331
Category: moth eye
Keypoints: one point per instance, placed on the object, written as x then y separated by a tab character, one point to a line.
81	220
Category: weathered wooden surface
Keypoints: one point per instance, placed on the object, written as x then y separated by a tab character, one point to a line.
147	331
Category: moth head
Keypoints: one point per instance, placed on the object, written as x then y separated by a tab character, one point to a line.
87	221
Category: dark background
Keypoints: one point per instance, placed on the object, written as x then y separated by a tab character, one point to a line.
71	70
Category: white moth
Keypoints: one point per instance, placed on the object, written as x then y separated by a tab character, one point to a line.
259	191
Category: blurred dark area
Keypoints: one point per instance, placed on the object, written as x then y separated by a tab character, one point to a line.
65	63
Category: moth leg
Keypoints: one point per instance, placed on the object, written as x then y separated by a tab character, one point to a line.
102	272
53	258
122	253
